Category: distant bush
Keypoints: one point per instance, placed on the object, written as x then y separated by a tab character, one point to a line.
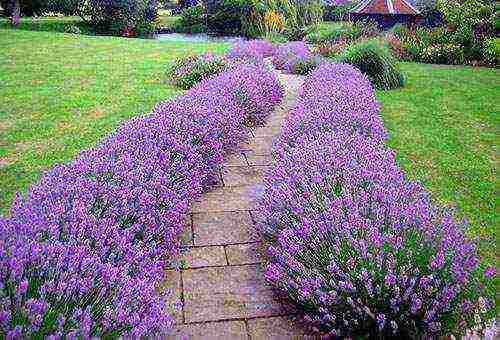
450	54
491	51
192	20
337	10
331	32
188	71
225	16
468	24
123	17
376	62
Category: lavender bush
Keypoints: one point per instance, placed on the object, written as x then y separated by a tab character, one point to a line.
295	57
186	72
335	98
251	51
361	249
83	252
254	88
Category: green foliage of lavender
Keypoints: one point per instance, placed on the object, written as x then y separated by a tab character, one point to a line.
360	248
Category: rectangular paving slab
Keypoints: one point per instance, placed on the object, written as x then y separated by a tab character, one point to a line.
243	175
195	257
225	330
232	292
258	145
282	327
226	199
247	253
223	228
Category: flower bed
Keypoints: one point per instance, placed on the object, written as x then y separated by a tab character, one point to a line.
83	252
358	247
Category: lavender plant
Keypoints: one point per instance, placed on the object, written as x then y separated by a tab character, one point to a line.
361	249
83	252
255	89
295	57
335	98
251	51
186	72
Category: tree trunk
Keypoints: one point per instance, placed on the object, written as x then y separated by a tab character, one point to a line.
16	13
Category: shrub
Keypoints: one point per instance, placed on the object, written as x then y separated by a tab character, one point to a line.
192	20
289	17
376	62
331	49
123	17
359	248
337	10
251	50
396	46
322	106
491	51
331	32
188	71
83	253
294	57
226	15
444	54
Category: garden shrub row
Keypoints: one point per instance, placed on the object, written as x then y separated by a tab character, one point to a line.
361	249
82	254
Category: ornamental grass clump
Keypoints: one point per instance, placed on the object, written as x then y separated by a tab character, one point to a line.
253	51
83	253
335	98
186	72
295	57
362	250
376	62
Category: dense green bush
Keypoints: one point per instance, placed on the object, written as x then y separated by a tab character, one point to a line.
123	17
333	31
226	15
187	72
27	7
375	61
192	20
491	51
338	10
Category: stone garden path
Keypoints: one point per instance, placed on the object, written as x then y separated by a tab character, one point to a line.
220	285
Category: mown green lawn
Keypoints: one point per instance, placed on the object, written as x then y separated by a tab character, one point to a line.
60	93
444	125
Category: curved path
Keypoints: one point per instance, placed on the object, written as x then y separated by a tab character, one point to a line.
220	289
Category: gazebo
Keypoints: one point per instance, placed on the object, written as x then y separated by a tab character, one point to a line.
386	13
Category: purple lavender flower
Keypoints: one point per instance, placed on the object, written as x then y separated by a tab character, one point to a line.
253	51
90	241
337	209
295	57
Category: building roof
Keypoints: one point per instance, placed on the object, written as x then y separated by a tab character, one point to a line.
385	7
